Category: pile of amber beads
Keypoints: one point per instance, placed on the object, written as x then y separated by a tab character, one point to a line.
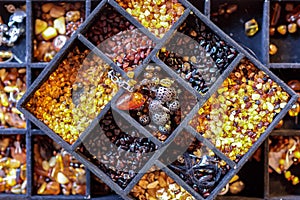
74	94
241	110
157	16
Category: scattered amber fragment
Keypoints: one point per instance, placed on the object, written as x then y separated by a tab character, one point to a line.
45	165
294	111
46	7
52	188
49	33
289	7
292	28
272	31
297	154
279	125
57	11
42	189
272	49
282	29
60	25
295	180
16	189
231	8
72	16
130	74
251	27
40	26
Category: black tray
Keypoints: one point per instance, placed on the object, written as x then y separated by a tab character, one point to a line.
260	51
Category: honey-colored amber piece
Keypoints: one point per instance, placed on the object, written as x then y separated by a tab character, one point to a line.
46	7
130	74
57	11
40	26
294	111
279	125
52	188
295	180
282	29
23	172
52	161
42	188
45	165
292	28
297	154
272	49
72	16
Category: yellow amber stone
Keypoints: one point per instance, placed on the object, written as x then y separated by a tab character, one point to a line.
40	26
294	111
130	74
42	188
287	174
282	29
297	154
23	172
61	178
11	181
295	180
49	33
59	161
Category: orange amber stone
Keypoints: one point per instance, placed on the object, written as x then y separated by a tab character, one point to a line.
130	101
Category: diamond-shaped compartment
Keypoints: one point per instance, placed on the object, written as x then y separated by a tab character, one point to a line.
116	148
73	94
157	16
197	54
241	110
159	101
194	163
119	39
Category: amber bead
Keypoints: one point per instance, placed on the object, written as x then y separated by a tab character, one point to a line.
86	91
272	49
292	28
282	29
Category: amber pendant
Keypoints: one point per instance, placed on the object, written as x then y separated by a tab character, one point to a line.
130	101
